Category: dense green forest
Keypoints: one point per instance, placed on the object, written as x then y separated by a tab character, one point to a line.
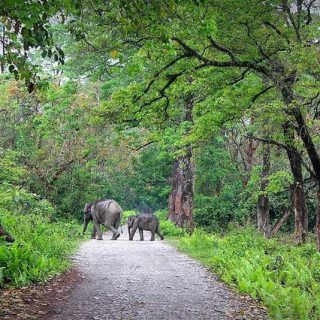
205	110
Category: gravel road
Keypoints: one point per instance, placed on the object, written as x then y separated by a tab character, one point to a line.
147	280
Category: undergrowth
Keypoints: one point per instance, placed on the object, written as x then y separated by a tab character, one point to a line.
167	227
285	278
42	244
40	250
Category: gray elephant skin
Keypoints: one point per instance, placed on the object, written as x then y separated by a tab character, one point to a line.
107	213
144	221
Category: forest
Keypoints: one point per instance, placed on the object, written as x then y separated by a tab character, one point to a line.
204	112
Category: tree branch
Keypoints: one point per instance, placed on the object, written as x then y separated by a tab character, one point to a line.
157	74
274	142
221	64
172	78
261	93
222	49
65	167
309	16
286	8
280	222
240	78
286	147
142	146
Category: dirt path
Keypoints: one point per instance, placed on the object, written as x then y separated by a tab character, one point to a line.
147	280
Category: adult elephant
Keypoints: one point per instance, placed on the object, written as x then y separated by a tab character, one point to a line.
107	213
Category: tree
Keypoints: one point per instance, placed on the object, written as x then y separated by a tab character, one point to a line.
26	28
270	38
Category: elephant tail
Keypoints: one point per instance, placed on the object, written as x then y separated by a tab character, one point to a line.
120	220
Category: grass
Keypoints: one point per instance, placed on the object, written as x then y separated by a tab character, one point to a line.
284	277
41	249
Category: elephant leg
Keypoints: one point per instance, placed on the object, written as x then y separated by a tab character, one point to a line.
93	234
115	232
152	236
98	231
159	234
141	234
133	230
116	226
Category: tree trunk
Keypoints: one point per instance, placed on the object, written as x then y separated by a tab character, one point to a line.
263	216
181	196
298	187
251	148
280	222
2	49
303	132
299	208
318	219
306	219
306	138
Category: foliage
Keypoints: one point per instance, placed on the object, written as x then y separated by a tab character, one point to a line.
42	243
26	28
167	227
41	248
217	186
285	278
126	215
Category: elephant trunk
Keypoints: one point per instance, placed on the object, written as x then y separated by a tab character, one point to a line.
129	230
85	225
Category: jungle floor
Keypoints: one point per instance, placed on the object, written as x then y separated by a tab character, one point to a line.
129	280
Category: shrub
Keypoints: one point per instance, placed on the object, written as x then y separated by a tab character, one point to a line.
40	249
126	215
285	278
168	228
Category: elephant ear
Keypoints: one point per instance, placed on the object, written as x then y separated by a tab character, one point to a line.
87	207
130	221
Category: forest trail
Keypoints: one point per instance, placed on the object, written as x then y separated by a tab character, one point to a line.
147	280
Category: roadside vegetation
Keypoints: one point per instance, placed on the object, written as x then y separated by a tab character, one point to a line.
41	250
43	241
283	277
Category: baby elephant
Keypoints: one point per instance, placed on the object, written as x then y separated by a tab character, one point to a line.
144	221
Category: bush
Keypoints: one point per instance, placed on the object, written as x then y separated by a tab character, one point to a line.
126	215
168	228
285	278
40	249
41	246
